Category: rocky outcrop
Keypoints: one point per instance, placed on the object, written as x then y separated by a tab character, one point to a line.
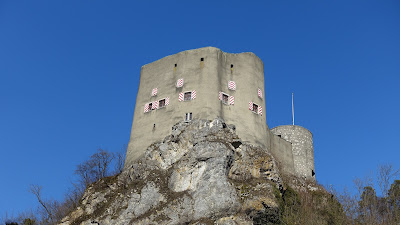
200	174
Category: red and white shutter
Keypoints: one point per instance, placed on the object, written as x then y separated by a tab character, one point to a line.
220	96
251	106
154	92
181	96
260	110
231	100
154	105
259	93
231	85
179	83
166	101
193	94
146	107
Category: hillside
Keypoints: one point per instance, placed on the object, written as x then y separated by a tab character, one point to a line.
204	174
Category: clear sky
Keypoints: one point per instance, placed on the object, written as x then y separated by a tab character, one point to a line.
69	73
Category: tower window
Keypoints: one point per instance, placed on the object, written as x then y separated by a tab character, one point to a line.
202	59
225	98
150	106
188	116
231	65
188	96
161	103
176	65
255	108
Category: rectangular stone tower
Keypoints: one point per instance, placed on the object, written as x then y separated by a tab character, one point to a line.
204	83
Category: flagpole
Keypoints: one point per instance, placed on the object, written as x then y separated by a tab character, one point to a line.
292	109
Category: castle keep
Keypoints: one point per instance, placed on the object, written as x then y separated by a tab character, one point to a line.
207	83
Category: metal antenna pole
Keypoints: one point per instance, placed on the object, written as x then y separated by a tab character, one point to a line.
292	109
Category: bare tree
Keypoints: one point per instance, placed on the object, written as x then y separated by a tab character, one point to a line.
101	161
386	173
85	173
91	170
97	167
119	160
37	191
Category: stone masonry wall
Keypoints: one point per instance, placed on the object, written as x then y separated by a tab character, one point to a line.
207	72
302	147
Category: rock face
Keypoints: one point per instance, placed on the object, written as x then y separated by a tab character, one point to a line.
200	174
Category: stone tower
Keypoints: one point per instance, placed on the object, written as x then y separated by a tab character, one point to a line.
207	83
203	83
302	148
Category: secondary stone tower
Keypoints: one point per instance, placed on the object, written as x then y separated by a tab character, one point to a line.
206	83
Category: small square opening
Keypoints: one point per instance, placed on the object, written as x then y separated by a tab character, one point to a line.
202	59
161	103
187	96
255	108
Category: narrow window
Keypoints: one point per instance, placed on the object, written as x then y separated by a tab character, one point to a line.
176	65
150	106
187	96
255	108
161	103
188	116
231	65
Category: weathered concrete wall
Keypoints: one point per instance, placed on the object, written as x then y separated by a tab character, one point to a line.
302	147
207	77
282	151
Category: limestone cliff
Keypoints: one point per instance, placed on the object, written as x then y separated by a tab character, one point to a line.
200	174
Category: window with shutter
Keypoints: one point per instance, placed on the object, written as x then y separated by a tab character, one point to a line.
154	92
193	94
154	105
161	103
179	83
231	100
255	108
226	99
251	106
231	85
147	107
167	101
260	110
181	96
188	96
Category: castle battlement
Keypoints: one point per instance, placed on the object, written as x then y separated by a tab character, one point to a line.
205	83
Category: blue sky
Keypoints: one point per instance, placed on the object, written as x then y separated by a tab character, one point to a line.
69	73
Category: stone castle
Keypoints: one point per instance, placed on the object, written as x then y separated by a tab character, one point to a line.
207	83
